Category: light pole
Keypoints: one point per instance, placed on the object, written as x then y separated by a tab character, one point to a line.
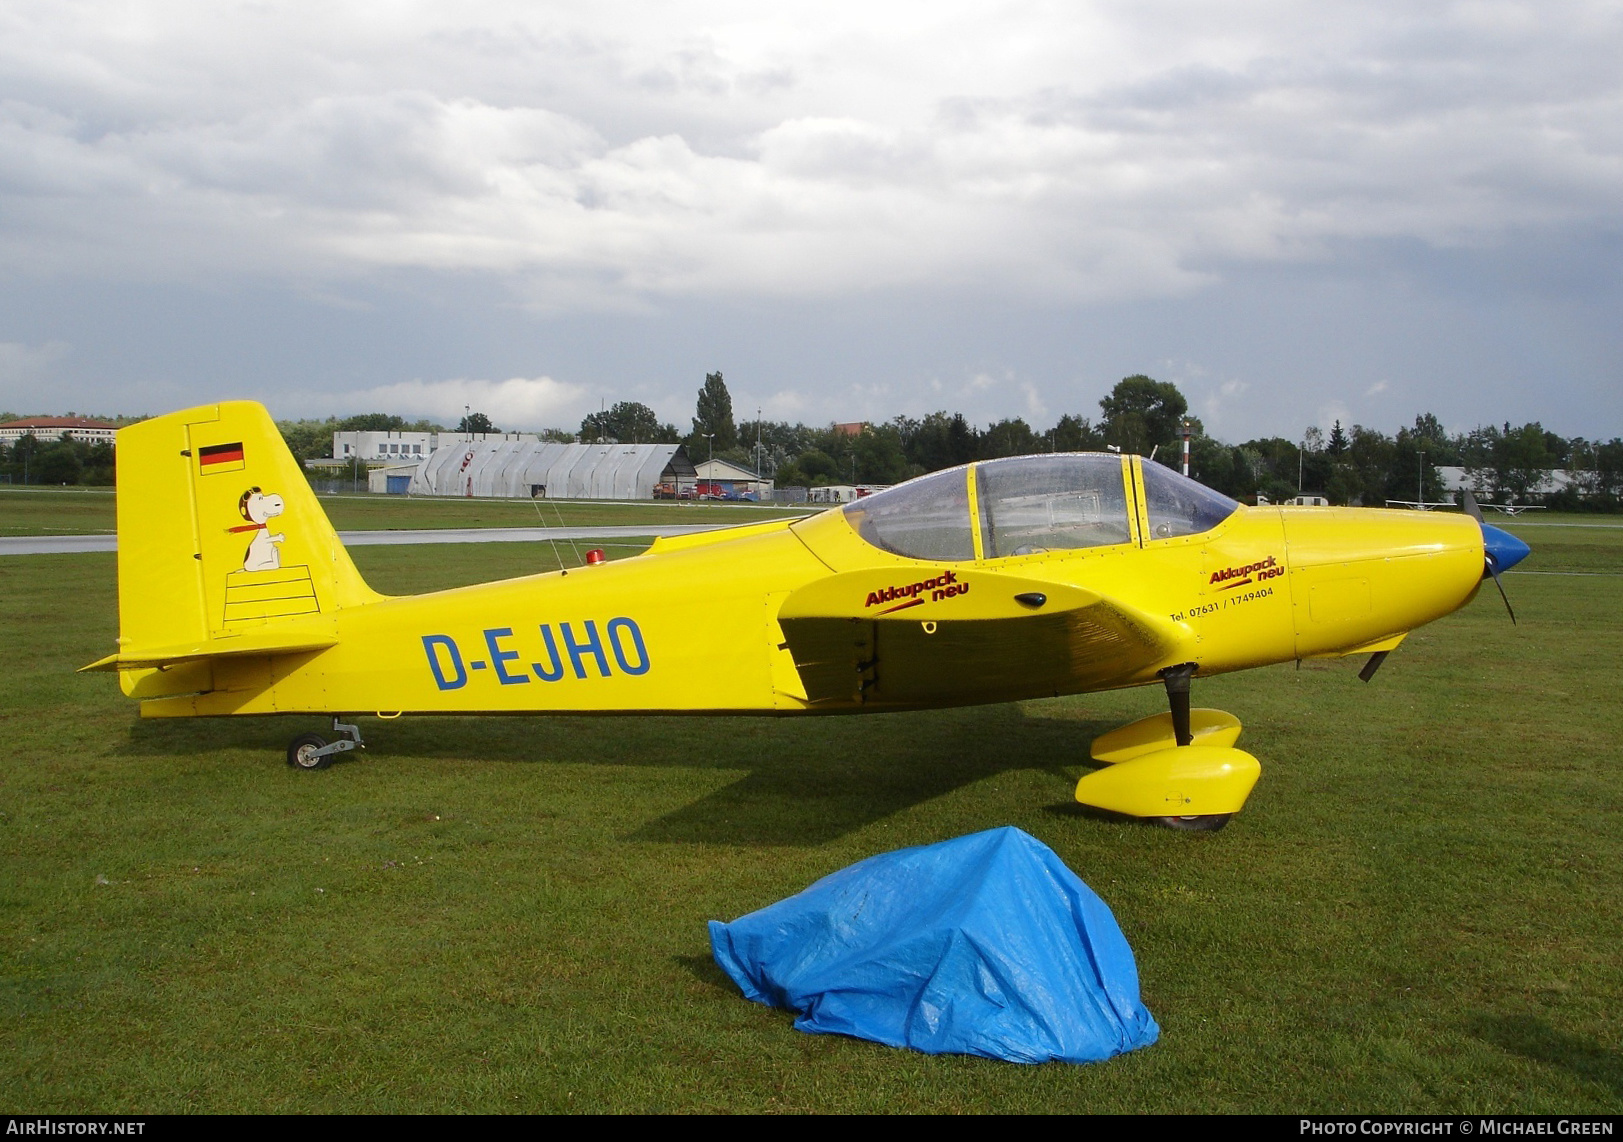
1422	481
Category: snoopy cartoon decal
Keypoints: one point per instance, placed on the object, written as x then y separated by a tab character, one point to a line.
259	509
265	587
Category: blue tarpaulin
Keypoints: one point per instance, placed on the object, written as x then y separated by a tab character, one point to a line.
985	945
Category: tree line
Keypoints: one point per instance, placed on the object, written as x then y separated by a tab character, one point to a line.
29	460
1360	465
1357	465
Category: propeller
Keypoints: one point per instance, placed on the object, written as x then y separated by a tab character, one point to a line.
1501	550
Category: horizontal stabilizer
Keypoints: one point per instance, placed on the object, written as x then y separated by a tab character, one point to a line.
281	639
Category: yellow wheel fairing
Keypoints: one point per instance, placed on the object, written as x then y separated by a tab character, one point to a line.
1155	733
1185	781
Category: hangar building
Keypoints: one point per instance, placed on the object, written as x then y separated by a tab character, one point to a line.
721	478
549	470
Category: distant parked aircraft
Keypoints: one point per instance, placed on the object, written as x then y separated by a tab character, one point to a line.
1423	505
1471	503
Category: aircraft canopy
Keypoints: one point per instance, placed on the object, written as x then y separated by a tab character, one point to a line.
1178	505
1032	504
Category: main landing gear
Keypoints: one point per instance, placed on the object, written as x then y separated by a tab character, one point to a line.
312	751
1179	769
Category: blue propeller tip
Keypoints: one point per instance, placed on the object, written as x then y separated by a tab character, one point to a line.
1503	548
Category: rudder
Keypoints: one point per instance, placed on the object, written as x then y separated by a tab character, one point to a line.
223	547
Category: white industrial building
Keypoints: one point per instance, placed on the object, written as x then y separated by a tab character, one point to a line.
394	478
413	446
548	470
56	427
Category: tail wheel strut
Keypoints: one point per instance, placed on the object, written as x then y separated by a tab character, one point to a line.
312	751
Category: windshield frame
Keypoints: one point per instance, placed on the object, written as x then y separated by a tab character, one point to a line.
1142	498
983	539
909	495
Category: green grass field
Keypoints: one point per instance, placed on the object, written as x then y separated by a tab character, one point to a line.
90	511
1417	911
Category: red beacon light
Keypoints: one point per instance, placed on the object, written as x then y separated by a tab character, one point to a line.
594	557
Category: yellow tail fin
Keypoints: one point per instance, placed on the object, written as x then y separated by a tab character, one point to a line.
223	548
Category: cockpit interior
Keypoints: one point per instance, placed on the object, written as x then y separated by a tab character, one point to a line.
1028	505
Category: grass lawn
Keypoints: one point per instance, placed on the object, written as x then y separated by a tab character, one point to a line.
90	511
1418	910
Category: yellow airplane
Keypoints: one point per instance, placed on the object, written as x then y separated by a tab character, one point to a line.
998	581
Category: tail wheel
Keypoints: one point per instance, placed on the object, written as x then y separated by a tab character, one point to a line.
1207	824
301	752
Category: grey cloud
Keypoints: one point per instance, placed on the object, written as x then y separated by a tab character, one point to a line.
440	144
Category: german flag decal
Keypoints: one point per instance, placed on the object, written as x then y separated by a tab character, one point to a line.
220	458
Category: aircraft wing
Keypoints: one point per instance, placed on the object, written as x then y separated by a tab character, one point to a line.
949	634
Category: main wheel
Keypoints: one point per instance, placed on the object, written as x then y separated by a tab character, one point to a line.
301	752
1207	824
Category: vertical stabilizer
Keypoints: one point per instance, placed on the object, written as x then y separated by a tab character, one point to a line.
221	541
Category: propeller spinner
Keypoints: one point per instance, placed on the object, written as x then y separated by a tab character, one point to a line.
1501	550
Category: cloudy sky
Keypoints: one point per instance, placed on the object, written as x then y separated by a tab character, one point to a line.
1296	212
